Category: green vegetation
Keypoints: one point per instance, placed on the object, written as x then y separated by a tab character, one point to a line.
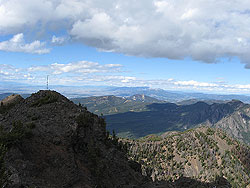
15	135
151	138
199	149
9	139
162	117
5	108
85	120
3	172
144	118
210	131
49	98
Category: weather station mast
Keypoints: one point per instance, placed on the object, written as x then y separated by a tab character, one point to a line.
47	82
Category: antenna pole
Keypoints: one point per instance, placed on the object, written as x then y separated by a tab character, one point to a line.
47	82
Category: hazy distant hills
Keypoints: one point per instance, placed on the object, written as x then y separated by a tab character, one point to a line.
111	104
193	101
175	96
89	91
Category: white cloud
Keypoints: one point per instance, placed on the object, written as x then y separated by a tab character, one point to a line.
16	16
17	44
7	70
91	73
195	83
80	67
76	73
202	30
58	40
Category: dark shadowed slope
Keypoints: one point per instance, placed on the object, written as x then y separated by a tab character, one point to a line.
169	116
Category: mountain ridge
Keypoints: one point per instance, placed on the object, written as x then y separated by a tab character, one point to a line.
164	117
111	104
202	153
51	142
62	150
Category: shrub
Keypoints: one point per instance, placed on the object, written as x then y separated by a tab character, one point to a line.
5	108
15	136
31	125
84	120
210	131
3	172
8	139
50	98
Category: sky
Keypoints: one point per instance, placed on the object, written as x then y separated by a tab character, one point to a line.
195	45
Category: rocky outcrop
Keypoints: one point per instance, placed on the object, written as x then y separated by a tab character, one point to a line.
12	99
8	102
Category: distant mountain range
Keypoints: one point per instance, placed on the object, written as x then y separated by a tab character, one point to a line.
89	91
140	115
174	96
111	104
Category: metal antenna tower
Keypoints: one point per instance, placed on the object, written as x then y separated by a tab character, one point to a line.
47	82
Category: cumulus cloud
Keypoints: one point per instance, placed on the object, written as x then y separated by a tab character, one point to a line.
91	73
6	70
203	30
80	67
17	44
75	73
9	72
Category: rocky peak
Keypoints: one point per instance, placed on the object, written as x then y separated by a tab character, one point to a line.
236	103
12	99
66	146
46	97
9	102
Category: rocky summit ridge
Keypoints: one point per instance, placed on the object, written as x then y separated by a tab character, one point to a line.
67	146
47	141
